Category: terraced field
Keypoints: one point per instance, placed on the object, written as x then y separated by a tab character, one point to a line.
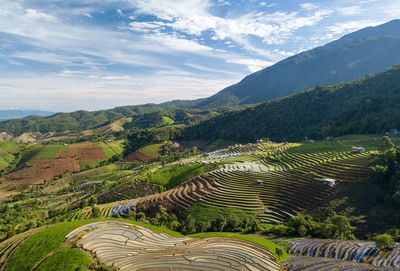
288	181
280	181
352	251
128	190
174	200
299	263
275	195
132	247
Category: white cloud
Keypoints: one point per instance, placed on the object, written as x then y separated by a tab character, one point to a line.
350	26
308	6
33	14
193	18
252	64
87	15
120	13
146	59
352	10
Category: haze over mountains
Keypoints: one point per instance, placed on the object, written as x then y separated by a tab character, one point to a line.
14	114
368	50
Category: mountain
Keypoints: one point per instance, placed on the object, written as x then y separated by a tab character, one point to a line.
368	105
368	50
14	114
143	116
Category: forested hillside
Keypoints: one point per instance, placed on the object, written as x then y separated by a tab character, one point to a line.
353	56
148	115
369	105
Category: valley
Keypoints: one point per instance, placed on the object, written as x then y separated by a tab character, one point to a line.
263	187
294	167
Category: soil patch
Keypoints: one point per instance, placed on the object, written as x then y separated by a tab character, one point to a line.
136	157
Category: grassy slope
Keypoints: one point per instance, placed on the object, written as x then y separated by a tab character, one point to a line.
175	175
66	259
112	148
167	120
201	211
151	150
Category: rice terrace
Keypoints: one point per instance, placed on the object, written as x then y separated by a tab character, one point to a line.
223	135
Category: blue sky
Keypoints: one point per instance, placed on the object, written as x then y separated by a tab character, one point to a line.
68	55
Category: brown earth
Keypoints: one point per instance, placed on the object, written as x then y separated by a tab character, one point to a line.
67	161
136	157
25	138
5	136
87	151
113	127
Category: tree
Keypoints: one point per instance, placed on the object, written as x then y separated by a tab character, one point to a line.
386	144
92	200
338	227
141	217
384	241
219	224
202	226
188	225
279	252
396	198
233	223
84	203
302	230
95	212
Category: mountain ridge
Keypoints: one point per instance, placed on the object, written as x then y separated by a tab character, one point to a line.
368	105
368	50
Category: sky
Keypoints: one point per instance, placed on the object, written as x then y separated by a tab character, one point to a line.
70	55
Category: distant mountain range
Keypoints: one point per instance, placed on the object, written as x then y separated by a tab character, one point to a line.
368	105
15	114
368	50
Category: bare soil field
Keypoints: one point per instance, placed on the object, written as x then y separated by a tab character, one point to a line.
67	161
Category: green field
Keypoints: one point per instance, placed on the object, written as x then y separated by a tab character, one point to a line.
7	150
152	150
123	121
167	121
87	164
49	152
66	259
176	174
112	148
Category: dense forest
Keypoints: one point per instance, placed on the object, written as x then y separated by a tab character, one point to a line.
369	105
145	116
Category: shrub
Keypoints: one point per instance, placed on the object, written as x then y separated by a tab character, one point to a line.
141	217
384	241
